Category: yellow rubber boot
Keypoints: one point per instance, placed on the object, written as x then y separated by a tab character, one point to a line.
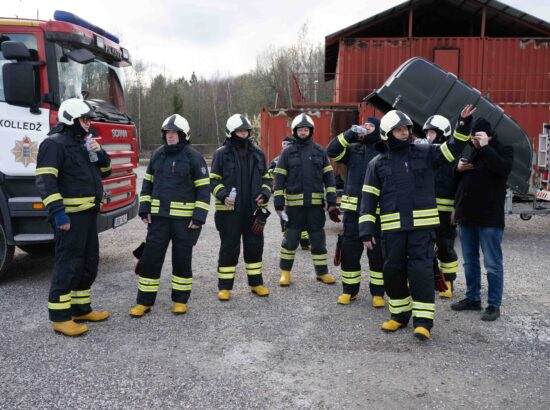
421	333
179	308
69	328
346	298
260	290
378	302
139	310
392	325
224	295
93	316
449	292
285	278
327	278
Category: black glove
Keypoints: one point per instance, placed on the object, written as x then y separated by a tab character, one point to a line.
259	220
334	215
464	126
195	222
138	253
338	251
366	238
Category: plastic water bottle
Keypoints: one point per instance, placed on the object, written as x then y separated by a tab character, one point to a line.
233	194
358	129
92	154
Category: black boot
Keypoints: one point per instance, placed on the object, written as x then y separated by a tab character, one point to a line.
491	313
467	304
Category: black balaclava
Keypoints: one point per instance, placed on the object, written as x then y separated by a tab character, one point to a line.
439	137
176	147
240	144
396	144
374	136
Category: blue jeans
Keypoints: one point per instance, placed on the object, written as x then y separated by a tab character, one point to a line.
490	239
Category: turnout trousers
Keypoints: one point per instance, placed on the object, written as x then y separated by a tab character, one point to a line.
160	232
352	250
232	226
445	235
312	220
408	276
76	260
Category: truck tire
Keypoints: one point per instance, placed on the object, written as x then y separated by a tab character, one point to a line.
6	252
38	249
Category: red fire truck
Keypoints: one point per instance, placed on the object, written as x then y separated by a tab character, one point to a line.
67	57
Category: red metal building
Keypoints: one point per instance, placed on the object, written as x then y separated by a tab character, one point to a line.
501	51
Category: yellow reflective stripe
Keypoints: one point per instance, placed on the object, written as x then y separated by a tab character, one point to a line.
51	198
448	264
255	265
444	201
78	201
148	285
65	298
331	189
202	182
148	177
461	137
80	293
267	175
189	206
317	195
266	187
351	199
389	217
79	208
351	278
444	208
294	196
177	212
59	306
202	205
367	218
217	188
422	213
154	209
226	276
46	170
304	235
348	207
227	269
426	221
105	169
148	281
155	202
319	260
400	305
281	171
179	283
294	203
328	168
390	225
342	141
446	152
341	155
278	192
145	198
371	190
215	176
286	254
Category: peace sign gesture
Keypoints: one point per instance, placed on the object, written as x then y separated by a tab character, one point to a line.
467	111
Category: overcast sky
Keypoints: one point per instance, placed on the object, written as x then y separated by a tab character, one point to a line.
214	37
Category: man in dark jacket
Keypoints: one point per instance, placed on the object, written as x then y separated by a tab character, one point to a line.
69	181
479	206
241	184
174	202
355	151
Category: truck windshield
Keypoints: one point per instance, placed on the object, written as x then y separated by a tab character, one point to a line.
98	82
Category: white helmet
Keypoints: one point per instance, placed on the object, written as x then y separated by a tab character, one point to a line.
237	122
392	120
438	122
74	108
302	121
176	122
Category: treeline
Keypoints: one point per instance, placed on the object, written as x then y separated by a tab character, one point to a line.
207	103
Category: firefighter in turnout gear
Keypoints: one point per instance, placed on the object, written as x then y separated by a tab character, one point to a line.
438	129
241	185
356	151
302	177
70	186
304	236
174	202
401	182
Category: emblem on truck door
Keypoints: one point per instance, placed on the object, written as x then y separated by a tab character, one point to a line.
25	151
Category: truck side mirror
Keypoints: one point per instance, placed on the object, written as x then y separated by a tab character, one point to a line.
21	81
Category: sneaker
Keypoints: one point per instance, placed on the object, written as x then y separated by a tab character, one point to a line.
467	304
490	314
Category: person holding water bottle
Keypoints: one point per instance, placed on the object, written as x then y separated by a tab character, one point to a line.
68	177
241	185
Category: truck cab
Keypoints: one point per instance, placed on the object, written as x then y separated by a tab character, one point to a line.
42	64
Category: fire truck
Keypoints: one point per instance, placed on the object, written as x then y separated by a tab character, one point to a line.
42	64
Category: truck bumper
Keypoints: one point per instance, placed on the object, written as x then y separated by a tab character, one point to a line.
106	220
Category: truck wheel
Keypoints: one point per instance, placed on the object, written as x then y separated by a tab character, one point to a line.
6	252
38	249
525	217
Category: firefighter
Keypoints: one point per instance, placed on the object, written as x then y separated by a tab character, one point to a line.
174	202
70	186
401	181
302	176
304	236
355	151
438	130
239	167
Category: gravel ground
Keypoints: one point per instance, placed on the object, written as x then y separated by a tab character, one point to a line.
295	349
